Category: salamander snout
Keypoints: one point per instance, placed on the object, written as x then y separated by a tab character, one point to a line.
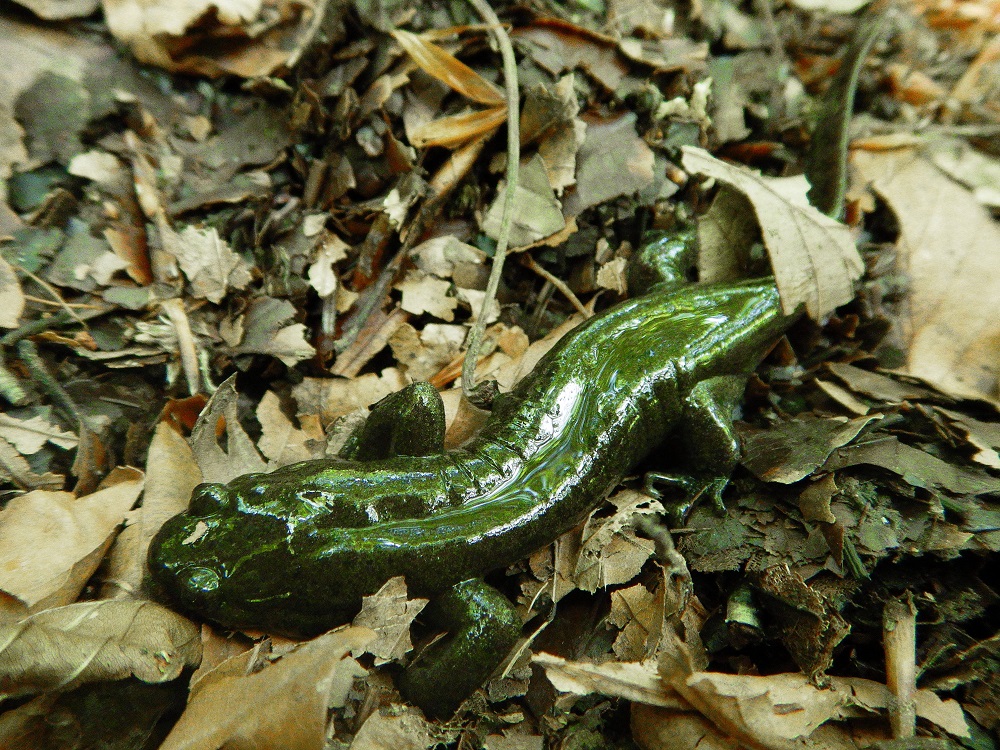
210	500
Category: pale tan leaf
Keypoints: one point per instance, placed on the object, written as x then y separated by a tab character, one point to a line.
171	476
814	258
11	297
389	613
280	440
239	456
426	294
335	397
284	705
537	211
399	728
61	648
634	681
948	250
444	66
210	265
29	435
51	542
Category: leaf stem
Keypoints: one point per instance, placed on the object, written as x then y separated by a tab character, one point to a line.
513	162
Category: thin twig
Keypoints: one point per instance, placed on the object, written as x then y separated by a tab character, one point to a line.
513	162
51	290
558	284
28	353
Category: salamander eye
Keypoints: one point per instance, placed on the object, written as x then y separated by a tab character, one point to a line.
209	500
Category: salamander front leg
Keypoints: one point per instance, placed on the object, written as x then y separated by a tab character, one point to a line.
409	422
482	628
712	446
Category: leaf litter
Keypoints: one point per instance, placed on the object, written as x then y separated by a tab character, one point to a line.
325	235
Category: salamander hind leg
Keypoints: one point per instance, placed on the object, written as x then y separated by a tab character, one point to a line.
483	627
409	422
712	446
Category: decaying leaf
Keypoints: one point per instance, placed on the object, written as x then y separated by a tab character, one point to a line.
11	297
171	476
398	727
636	681
814	258
280	441
52	542
209	263
61	648
426	294
29	435
220	416
334	397
792	450
611	553
612	161
265	332
244	38
270	708
947	248
389	613
537	212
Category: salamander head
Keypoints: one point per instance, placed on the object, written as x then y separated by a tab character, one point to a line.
210	559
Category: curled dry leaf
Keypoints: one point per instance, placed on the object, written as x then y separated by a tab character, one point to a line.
635	681
284	705
814	258
52	542
441	64
61	648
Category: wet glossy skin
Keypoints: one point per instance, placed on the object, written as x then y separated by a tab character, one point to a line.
295	550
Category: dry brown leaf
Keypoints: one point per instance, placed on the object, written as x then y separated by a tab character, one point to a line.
559	47
537	211
445	67
634	681
285	705
610	552
389	613
220	416
171	476
211	266
612	161
814	258
947	249
11	297
61	648
426	294
334	397
396	727
29	435
52	542
247	38
422	354
282	442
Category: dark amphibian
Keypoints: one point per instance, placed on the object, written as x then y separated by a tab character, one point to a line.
296	549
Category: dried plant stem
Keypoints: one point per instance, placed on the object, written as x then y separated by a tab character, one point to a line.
513	161
899	638
558	284
28	353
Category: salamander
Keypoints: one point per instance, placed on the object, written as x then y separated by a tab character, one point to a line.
296	549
